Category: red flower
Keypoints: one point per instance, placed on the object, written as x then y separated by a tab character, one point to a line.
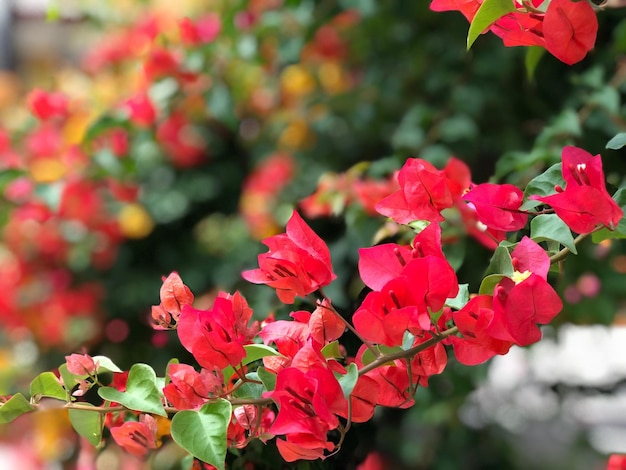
477	345
47	105
570	29
497	206
585	203
137	437
141	110
216	337
174	296
188	389
182	141
297	264
423	194
201	31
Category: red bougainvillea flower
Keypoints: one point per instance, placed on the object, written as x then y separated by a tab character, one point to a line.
141	111
182	141
200	31
525	299
585	203
189	389
570	29
381	263
616	462
567	29
497	206
137	437
174	295
297	264
216	336
405	302
477	345
47	105
308	406
423	194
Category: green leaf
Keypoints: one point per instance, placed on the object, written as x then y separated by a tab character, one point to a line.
142	393
254	352
105	365
202	433
88	424
533	56
268	378
617	142
489	11
250	389
15	407
500	262
348	381
543	184
461	298
489	283
551	227
46	384
331	350
69	380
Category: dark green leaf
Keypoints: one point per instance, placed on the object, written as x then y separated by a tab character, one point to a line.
543	184
500	262
268	378
489	283
551	227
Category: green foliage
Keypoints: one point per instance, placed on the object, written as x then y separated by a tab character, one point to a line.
142	392
88	424
551	227
13	408
487	14
46	384
202	433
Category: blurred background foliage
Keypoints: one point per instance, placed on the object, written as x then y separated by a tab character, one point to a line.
291	94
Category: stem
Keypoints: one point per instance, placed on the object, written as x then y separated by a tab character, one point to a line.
330	307
561	255
409	352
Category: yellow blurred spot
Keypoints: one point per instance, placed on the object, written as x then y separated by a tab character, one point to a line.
47	170
333	78
163	428
297	81
75	128
134	221
296	135
518	277
51	433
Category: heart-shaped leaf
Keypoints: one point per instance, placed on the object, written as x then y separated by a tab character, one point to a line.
15	407
46	384
88	424
202	433
142	393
